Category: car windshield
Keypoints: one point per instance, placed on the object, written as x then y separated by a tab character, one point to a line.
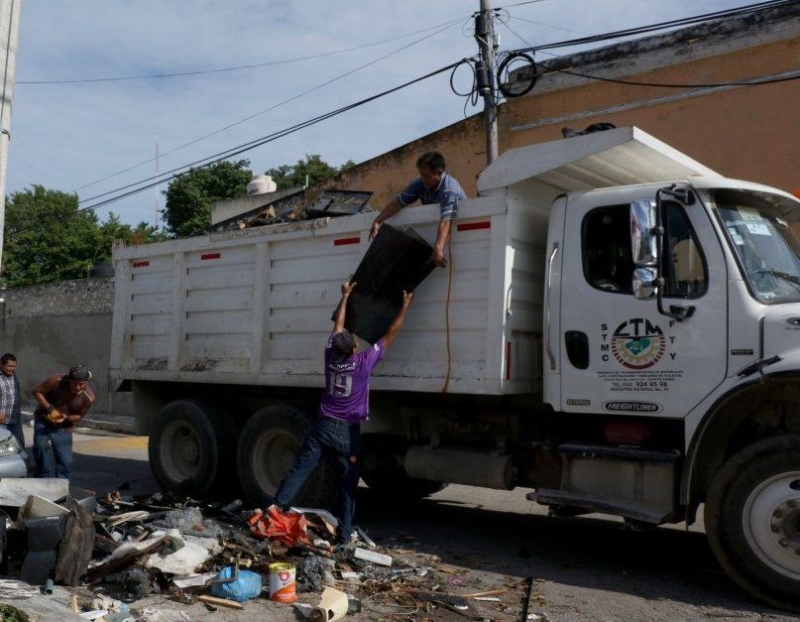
759	230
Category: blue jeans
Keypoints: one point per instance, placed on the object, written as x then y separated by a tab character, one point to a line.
340	440
45	438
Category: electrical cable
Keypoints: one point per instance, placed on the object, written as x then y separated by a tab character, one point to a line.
168	175
273	107
446	384
754	82
661	25
198	72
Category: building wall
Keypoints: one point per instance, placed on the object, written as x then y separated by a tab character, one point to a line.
746	132
51	327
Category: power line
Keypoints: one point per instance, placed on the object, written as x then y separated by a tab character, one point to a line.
234	151
661	26
199	72
441	28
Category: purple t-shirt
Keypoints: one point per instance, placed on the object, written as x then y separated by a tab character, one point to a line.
346	393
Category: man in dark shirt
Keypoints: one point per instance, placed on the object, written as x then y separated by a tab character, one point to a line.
344	405
63	400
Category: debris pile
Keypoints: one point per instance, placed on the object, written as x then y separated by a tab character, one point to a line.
117	550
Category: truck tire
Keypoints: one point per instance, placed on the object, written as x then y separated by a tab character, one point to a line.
192	448
752	518
268	445
383	472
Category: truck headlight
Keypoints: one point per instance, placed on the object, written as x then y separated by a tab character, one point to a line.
9	447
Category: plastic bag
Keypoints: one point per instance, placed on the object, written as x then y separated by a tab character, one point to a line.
247	585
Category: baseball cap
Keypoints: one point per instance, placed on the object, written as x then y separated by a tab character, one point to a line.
79	373
343	344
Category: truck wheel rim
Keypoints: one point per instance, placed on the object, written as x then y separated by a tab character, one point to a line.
182	451
273	457
771	521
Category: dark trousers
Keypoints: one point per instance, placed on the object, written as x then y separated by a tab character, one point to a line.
47	438
340	440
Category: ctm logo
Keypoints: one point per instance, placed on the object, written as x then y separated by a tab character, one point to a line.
638	343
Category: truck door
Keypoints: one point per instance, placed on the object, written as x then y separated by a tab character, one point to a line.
619	354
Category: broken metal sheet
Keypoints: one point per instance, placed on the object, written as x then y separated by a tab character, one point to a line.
396	260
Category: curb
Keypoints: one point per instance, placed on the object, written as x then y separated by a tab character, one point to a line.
122	424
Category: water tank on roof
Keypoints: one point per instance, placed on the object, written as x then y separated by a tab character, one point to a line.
262	184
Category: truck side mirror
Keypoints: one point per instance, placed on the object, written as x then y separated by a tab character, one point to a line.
644	243
644	283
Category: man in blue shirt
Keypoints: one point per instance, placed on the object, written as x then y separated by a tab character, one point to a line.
432	186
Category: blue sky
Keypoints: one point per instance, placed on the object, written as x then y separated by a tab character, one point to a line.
80	137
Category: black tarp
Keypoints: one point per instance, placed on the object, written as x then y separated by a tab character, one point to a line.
396	260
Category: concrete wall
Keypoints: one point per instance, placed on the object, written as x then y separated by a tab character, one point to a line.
51	327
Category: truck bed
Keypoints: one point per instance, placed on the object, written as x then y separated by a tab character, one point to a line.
253	307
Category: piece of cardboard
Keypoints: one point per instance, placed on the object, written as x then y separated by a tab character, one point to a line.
396	260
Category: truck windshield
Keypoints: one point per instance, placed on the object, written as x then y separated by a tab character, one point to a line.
759	230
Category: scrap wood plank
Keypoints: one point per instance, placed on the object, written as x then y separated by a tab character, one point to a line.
118	563
213	600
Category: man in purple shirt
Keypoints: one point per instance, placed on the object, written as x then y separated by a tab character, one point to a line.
344	405
432	186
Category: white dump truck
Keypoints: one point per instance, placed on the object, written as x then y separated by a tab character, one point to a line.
618	330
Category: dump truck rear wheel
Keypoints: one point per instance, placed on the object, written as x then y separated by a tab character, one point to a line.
267	448
752	518
191	447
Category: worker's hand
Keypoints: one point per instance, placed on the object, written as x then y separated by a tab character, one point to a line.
437	257
407	298
374	230
347	288
56	416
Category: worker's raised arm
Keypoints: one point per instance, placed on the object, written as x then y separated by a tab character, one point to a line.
341	310
387	212
395	326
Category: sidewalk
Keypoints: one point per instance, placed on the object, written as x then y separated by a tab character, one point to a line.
120	424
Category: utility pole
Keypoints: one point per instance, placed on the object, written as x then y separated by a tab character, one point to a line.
487	81
9	38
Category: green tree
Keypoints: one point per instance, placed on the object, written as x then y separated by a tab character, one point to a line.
312	170
190	196
48	238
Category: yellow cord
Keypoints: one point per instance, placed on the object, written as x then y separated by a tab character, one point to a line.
447	309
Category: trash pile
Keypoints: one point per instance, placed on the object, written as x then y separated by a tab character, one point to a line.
120	550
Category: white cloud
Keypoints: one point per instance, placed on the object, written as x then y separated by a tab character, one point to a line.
66	136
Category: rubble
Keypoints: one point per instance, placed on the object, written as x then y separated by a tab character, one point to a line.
126	550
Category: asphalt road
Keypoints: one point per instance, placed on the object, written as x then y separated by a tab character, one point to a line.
582	569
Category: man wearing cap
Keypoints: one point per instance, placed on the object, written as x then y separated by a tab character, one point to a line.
344	405
63	400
